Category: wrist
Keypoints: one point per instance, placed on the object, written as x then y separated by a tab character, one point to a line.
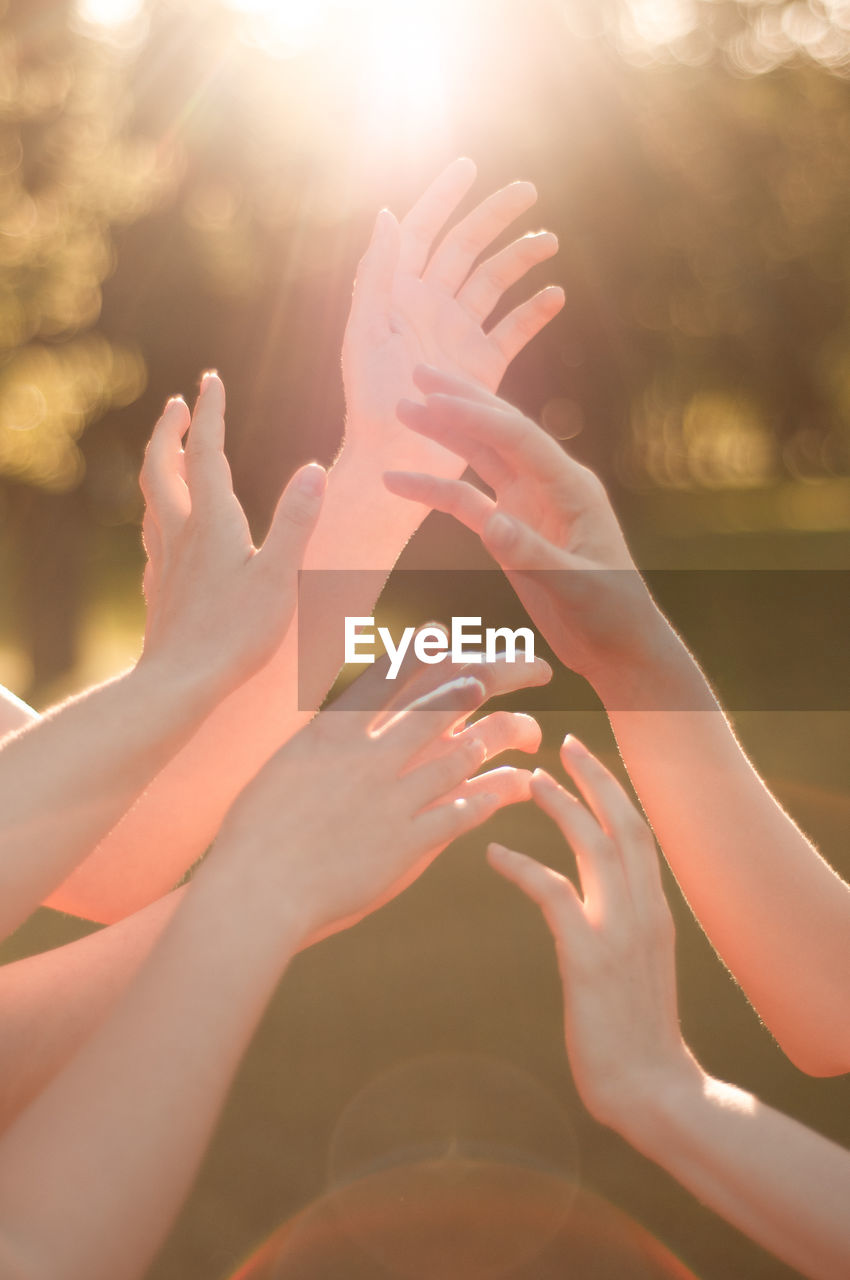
654	673
659	1104
357	479
236	885
186	688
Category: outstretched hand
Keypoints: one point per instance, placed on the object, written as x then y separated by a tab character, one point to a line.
217	606
419	299
615	942
360	802
549	523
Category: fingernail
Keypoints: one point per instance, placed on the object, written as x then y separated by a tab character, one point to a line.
572	744
382	223
207	374
312	479
172	400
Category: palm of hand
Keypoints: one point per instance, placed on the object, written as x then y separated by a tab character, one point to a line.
422	299
581	606
425	325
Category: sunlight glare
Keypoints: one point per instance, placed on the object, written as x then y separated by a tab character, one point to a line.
109	13
403	75
660	22
284	27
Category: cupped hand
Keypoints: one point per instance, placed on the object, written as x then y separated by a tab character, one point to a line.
549	522
614	942
217	606
419	298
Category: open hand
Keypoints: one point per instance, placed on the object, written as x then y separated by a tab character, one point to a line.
615	942
217	606
549	523
360	802
415	302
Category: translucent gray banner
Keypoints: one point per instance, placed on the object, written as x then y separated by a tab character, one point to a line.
766	639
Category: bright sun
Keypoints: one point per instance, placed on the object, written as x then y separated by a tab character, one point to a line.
399	47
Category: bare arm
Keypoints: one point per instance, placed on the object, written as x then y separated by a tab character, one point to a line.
781	1184
409	304
775	910
301	855
219	608
51	1003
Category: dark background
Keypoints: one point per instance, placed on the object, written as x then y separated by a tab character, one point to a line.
192	186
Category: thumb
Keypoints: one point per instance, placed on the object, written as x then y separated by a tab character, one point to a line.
373	283
295	519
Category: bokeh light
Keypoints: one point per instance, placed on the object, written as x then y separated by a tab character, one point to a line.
463	1220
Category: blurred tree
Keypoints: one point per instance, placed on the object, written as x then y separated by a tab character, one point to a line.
189	183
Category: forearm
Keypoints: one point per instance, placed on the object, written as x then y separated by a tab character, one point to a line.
149	1081
775	911
67	778
781	1184
362	527
52	1002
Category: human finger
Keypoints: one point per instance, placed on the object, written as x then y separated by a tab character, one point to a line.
493	469
518	442
619	818
160	479
441	774
430	716
432	381
504	731
423	222
371	295
455	498
498	677
522	324
207	470
438	826
601	873
554	894
294	520
484	289
455	256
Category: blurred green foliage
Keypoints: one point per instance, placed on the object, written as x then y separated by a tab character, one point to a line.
186	183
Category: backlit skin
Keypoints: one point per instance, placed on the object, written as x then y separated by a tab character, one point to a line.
774	909
782	1184
417	295
300	855
115	1063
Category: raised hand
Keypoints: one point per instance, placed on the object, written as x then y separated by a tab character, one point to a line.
614	942
217	606
780	1183
360	802
217	609
549	524
419	299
